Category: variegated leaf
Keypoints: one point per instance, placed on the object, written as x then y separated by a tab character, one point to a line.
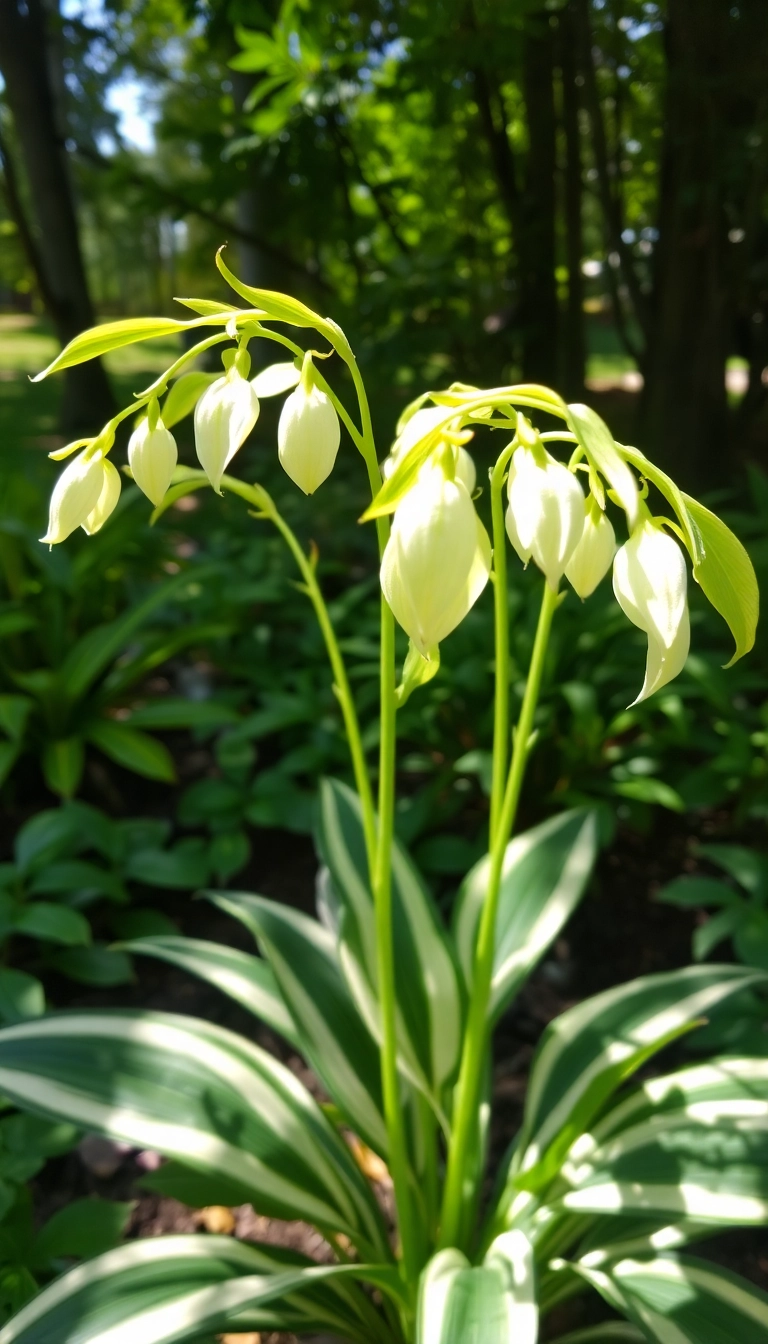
169	1289
681	1300
544	875
587	1052
303	958
494	1302
194	1092
427	984
247	979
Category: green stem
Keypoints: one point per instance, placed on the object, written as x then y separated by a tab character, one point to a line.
341	686
382	893
478	1027
501	639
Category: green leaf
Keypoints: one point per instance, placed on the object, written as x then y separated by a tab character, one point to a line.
587	1052
45	837
177	712
701	1090
494	1302
21	996
721	565
113	335
184	395
228	853
726	575
612	1332
427	987
199	1094
248	980
14	712
273	304
654	791
544	875
82	1229
333	1036
716	929
694	892
97	965
183	867
747	866
132	749
681	1300
9	755
154	1290
600	447
708	1166
78	880
100	646
54	923
63	762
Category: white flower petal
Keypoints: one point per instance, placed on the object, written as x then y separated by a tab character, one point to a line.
224	417
75	495
664	664
650	582
308	437
592	558
545	519
107	501
152	457
437	560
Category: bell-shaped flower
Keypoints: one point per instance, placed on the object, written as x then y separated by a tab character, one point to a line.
224	417
75	495
650	582
437	560
545	517
152	457
308	433
592	558
107	501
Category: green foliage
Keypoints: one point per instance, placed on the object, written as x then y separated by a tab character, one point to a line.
589	1132
742	918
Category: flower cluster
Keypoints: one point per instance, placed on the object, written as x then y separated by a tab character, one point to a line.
309	432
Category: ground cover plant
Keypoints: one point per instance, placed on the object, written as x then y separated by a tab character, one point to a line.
607	1182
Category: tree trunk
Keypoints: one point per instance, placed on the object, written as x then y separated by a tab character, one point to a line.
685	405
573	341
87	399
536	244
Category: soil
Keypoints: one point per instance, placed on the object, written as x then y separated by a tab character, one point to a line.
618	933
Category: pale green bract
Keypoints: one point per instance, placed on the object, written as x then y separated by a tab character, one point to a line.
393	1008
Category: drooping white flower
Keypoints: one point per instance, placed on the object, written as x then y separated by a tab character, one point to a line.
107	501
224	417
437	560
651	586
592	558
152	457
75	495
308	433
466	471
545	516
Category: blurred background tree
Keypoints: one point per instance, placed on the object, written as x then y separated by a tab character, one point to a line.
479	189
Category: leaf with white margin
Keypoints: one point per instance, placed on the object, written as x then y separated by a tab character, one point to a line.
714	1171
172	1289
427	981
202	1095
703	1091
543	878
303	959
494	1302
249	980
682	1300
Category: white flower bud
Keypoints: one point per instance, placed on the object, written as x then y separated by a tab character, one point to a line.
437	560
75	496
152	457
107	501
592	558
545	517
465	470
651	586
224	417
308	434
